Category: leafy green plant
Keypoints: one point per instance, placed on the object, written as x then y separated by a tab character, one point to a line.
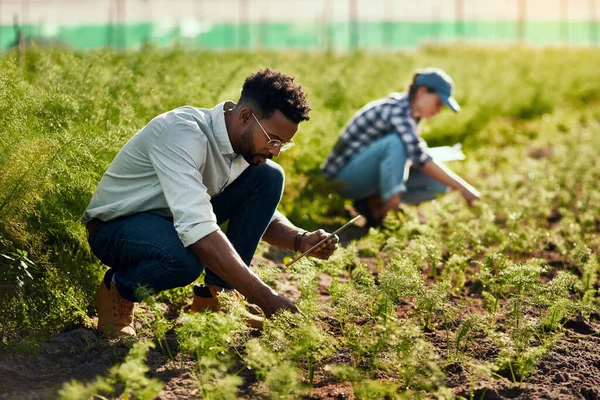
454	271
298	339
209	337
463	337
131	375
351	303
433	304
160	325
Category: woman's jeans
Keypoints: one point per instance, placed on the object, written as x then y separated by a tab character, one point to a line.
382	168
143	250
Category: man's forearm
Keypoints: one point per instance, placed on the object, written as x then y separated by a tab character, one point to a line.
216	252
281	233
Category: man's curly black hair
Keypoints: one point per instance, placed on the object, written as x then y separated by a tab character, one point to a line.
272	90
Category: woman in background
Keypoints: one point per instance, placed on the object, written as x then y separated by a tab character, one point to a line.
372	159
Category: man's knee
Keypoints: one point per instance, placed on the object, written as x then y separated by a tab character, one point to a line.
185	269
185	276
271	177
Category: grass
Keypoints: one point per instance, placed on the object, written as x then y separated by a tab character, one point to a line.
527	252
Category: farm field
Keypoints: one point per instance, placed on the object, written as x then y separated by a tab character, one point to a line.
496	301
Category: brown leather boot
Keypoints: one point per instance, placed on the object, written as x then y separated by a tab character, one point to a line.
212	303
115	314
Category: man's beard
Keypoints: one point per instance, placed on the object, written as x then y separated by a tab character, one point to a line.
246	146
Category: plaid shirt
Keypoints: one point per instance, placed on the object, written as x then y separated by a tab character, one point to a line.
373	121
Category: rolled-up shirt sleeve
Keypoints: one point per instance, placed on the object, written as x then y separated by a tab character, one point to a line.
277	215
178	155
416	148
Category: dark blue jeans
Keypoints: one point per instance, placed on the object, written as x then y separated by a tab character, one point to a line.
144	249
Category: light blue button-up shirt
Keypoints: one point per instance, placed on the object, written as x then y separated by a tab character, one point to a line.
172	167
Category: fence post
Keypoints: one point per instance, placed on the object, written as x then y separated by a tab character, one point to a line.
243	24
459	28
1	47
388	24
110	27
593	23
436	21
326	30
198	16
522	20
564	17
20	40
353	11
122	25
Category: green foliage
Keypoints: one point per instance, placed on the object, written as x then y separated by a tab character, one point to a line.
409	356
351	302
209	337
297	338
160	325
281	378
131	375
525	257
370	245
394	348
463	336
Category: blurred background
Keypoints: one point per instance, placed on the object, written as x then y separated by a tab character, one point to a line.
303	24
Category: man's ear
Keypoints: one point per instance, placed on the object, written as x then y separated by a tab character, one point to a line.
245	115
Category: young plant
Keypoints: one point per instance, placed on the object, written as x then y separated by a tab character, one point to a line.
454	271
351	303
160	325
433	303
409	357
554	302
131	374
519	358
298	339
463	336
210	337
279	378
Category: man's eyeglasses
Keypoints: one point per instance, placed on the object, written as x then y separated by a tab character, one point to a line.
275	144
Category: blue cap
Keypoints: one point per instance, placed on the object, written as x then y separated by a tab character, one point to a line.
441	83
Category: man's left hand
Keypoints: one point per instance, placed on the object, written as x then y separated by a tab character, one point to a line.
325	250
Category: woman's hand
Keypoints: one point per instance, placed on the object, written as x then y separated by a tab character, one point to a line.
470	195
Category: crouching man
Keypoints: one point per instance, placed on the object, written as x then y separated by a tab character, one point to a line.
154	217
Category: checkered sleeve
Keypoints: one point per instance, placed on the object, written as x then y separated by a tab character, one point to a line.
416	148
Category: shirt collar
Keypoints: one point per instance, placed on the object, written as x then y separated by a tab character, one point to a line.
220	129
402	100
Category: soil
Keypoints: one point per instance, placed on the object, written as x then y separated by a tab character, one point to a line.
571	370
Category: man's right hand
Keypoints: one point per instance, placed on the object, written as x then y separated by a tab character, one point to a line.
276	302
216	252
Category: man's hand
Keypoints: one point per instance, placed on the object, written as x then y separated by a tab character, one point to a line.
470	195
325	250
218	254
276	302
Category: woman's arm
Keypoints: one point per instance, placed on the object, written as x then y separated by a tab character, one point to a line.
441	173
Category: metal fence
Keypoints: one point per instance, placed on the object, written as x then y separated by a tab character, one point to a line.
315	24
